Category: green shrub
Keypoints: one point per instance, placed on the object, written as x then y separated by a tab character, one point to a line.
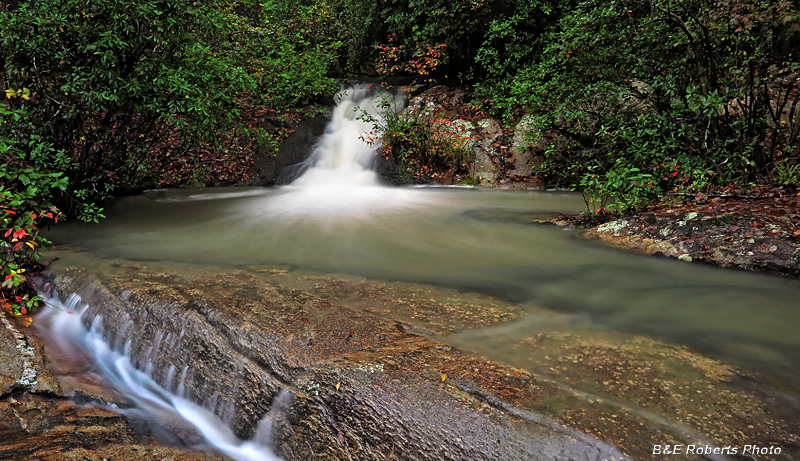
622	88
109	80
27	188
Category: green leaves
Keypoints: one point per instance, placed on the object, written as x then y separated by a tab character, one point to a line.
626	88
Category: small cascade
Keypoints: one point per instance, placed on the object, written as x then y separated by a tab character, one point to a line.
158	402
345	152
338	179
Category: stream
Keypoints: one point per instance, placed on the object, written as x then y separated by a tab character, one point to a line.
338	219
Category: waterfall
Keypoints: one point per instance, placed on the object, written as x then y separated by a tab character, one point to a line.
337	178
345	152
65	322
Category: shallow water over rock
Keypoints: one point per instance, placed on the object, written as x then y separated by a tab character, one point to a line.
473	240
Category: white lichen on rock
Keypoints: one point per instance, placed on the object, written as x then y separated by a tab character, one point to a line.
689	216
371	367
613	226
28	377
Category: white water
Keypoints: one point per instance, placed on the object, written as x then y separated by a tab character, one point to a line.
339	180
65	324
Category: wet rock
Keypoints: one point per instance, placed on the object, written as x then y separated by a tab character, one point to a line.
37	427
42	418
287	162
731	236
421	308
361	387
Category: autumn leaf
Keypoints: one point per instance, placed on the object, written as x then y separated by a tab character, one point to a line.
444	377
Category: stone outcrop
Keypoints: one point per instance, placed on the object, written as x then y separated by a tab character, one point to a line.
46	415
349	369
362	387
501	157
720	234
279	166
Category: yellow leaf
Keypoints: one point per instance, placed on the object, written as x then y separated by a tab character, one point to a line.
26	96
338	385
444	377
10	93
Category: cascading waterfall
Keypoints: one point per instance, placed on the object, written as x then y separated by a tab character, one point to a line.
338	178
66	320
343	155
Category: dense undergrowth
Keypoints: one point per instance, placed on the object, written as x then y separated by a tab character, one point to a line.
626	101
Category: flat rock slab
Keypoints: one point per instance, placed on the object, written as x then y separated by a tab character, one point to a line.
350	368
361	386
628	389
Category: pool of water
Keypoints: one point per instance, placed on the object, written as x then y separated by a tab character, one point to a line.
469	239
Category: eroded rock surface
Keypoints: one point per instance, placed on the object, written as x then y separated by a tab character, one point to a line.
362	387
358	369
47	415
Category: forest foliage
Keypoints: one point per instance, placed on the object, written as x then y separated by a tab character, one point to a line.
626	100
